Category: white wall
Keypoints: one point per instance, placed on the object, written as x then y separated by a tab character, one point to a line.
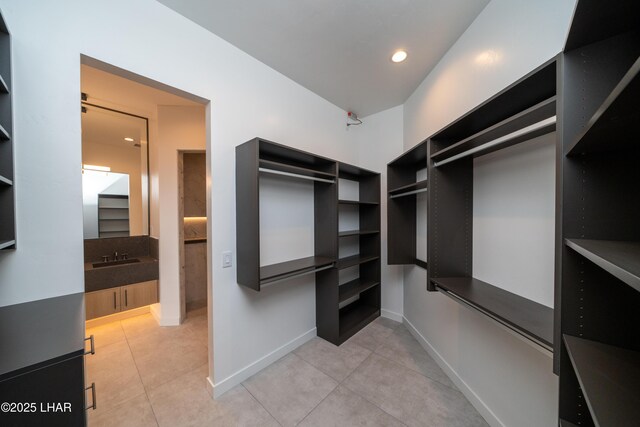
509	381
248	99
379	140
179	128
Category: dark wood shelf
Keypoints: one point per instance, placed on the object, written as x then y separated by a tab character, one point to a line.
420	263
3	85
296	267
6	244
354	317
110	207
195	240
563	423
409	189
610	380
113	219
620	258
357	202
4	135
357	233
528	318
615	123
355	260
355	287
513	130
5	181
295	170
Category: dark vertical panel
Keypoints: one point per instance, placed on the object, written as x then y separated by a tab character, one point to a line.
558	244
401	230
248	215
450	220
327	314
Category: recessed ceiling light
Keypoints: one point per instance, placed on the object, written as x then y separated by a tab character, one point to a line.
399	56
128	139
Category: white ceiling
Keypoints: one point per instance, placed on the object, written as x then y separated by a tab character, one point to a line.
341	49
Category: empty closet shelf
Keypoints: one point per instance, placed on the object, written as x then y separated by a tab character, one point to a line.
296	267
5	181
528	318
609	378
270	166
407	190
620	258
357	233
6	243
615	122
3	86
355	287
4	135
354	316
355	260
357	203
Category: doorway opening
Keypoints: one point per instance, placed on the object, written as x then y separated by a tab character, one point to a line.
134	252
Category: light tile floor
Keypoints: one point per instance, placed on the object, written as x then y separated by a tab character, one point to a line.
147	375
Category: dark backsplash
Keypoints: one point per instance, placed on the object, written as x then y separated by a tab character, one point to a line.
135	246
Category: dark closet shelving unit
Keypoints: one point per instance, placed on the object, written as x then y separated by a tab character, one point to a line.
402	189
341	309
7	188
260	156
523	111
597	229
344	309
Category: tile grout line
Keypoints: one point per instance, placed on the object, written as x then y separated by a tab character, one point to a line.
260	403
144	387
363	397
324	398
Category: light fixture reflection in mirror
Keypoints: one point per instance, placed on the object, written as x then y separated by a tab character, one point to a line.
115	173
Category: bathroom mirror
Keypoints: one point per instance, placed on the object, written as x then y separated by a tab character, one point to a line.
115	173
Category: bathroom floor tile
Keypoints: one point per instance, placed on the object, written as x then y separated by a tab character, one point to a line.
337	362
185	401
135	412
114	371
106	334
402	347
345	408
371	336
163	355
290	388
412	398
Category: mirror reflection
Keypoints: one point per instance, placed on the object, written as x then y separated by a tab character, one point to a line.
115	184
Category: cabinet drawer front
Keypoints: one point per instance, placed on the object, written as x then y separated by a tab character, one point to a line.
102	303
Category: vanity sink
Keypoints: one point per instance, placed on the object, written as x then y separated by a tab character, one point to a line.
112	263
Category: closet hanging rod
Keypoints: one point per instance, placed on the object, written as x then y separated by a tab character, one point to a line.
520	132
287	277
295	175
408	193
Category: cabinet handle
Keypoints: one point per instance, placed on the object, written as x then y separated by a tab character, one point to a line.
93	396
93	346
114	301
126	303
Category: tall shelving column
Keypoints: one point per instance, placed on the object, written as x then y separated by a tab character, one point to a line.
7	189
403	186
342	309
598	231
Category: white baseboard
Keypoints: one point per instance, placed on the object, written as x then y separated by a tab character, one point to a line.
156	312
475	400
217	390
391	315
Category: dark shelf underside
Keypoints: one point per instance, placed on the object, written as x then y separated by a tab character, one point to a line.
621	259
357	233
295	170
357	202
610	380
528	318
283	270
614	125
397	192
